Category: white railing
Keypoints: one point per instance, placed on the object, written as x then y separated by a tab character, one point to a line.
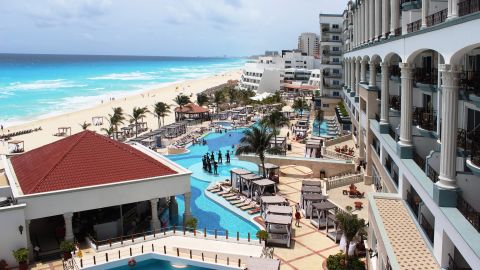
336	155
343	181
338	140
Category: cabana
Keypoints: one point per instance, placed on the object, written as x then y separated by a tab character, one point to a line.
246	180
97	120
280	142
63	131
141	127
279	228
262	185
272	171
308	199
313	147
311	189
311	183
127	131
249	108
278	210
322	210
192	111
16	146
235	174
337	232
265	201
175	130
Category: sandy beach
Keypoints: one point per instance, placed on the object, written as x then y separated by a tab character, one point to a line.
147	98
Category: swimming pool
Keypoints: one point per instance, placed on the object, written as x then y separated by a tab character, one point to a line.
153	264
226	125
211	215
323	129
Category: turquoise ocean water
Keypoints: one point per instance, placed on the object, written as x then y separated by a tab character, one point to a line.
36	86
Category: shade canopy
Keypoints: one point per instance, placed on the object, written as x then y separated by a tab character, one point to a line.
279	209
250	177
311	183
240	171
314	197
311	189
264	182
269	166
273	199
325	205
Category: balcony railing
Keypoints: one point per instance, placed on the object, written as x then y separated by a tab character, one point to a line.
398	31
470	142
468	6
437	17
425	118
432	174
426	76
395	102
413	202
470	82
470	213
414	26
452	264
427	228
419	160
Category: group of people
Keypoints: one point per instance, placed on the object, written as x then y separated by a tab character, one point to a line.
209	162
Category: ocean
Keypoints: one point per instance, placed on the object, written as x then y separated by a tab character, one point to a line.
38	86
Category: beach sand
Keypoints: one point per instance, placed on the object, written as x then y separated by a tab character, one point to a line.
148	98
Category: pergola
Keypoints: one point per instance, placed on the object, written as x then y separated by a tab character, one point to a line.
192	111
127	131
262	184
313	147
272	200
64	131
278	210
141	127
323	212
337	232
97	120
236	173
308	199
176	129
247	180
18	146
269	167
279	228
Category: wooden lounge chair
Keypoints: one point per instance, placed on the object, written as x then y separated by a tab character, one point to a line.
241	201
249	206
245	203
233	198
215	190
254	211
228	195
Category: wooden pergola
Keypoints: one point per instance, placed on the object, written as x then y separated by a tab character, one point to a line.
191	111
269	169
18	146
262	185
63	131
97	120
235	174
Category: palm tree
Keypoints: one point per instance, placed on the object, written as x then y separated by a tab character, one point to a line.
218	98
182	100
351	225
202	99
274	120
109	131
319	118
117	118
255	140
85	125
300	104
137	114
161	109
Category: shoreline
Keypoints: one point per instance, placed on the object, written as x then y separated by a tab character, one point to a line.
146	97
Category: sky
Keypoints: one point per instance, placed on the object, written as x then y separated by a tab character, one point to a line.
158	27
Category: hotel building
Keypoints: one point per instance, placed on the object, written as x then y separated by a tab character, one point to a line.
412	85
308	44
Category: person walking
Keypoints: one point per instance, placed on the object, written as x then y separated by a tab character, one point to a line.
298	216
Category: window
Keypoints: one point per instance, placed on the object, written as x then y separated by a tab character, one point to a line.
335	82
335	71
335	49
335	26
336	60
288	62
336	94
325	105
335	38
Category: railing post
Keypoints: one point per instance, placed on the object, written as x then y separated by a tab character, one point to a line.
174	229
215	233
203	259
106	256
94	260
153	248
190	254
154	233
248	236
228	260
216	259
143	235
238	236
130	251
164	249
194	232
121	240
239	262
205	232
226	234
142	249
133	240
178	252
119	254
81	263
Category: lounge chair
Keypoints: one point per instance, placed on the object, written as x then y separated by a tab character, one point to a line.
215	190
254	211
233	198
249	206
241	201
230	194
245	203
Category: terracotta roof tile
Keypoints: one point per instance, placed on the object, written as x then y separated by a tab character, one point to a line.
81	160
191	108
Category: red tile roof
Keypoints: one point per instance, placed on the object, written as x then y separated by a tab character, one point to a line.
191	108
81	160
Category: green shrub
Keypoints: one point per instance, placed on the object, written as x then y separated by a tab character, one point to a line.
262	234
21	255
67	246
191	223
342	108
339	261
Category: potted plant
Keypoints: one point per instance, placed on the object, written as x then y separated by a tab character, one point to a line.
67	247
262	235
21	256
191	224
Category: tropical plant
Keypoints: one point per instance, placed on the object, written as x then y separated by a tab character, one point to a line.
202	99
67	246
182	100
262	234
21	255
110	131
85	125
342	108
255	140
137	114
351	226
300	104
218	98
317	93
319	118
274	120
160	110
191	223
116	118
340	261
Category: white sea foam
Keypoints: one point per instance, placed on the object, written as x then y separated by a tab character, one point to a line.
132	76
42	85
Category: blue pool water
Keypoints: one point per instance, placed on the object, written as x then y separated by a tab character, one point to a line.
211	215
323	129
33	86
155	264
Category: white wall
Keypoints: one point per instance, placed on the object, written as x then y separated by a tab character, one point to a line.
10	238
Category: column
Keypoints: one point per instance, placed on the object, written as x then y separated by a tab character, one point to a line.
352	76
385	96
357	77
363	72
372	15
425	7
361	26
187	214
346	75
439	101
394	16
367	21
361	143
155	222
378	19
68	226
373	74
320	85
355	27
386	18
173	209
448	152
405	144
452	9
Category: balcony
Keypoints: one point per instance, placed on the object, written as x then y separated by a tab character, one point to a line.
470	83
427	228
468	6
432	174
414	26
470	213
437	18
331	30
452	264
424	118
328	39
330	52
332	86
327	74
395	102
425	76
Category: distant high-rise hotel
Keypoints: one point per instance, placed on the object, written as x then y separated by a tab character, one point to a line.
308	44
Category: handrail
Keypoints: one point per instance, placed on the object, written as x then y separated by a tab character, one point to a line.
343	181
468	6
335	155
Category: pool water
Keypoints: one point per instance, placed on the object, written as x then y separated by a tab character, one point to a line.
211	215
323	129
155	264
224	124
